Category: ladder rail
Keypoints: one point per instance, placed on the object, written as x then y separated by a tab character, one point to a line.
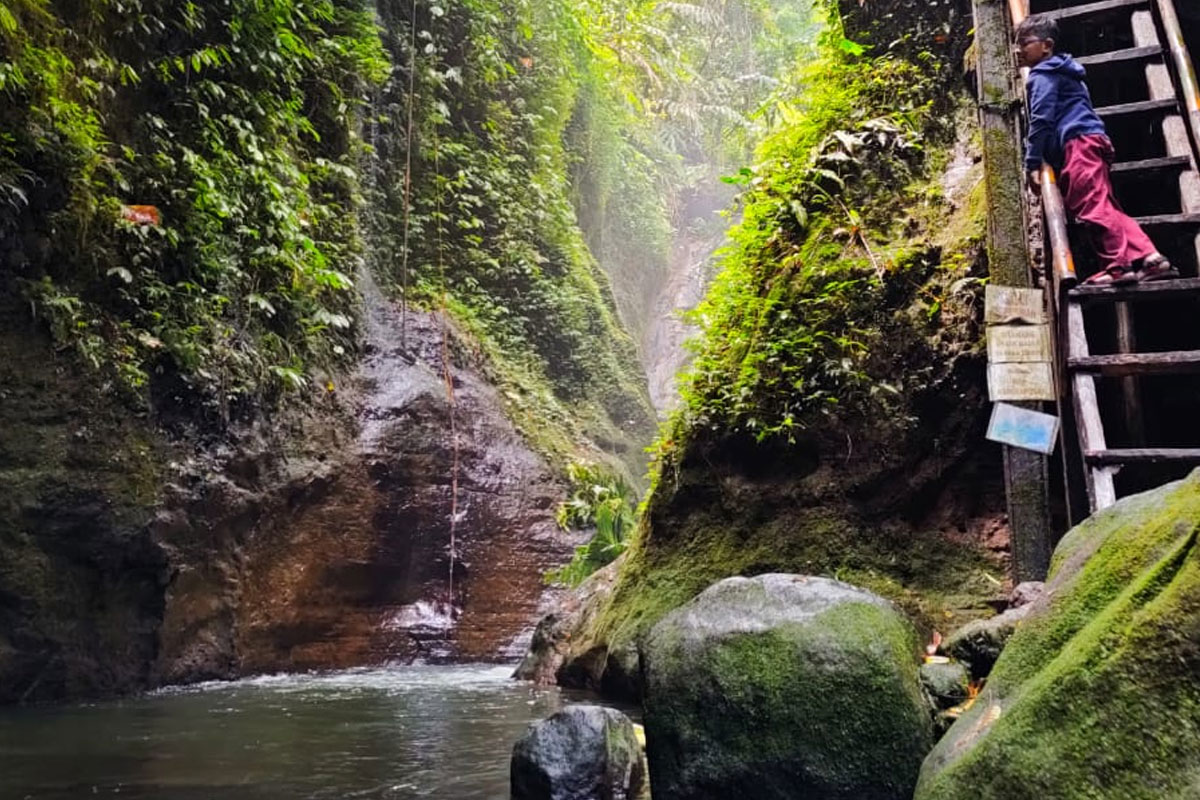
1185	68
1174	98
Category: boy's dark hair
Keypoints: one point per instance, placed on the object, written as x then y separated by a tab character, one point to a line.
1038	26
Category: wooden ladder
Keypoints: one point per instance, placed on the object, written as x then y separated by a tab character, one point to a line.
1145	88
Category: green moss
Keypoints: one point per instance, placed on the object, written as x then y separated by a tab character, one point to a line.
830	705
938	583
1095	695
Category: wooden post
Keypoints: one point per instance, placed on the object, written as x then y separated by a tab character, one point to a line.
1026	474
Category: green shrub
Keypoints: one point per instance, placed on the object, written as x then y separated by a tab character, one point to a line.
602	501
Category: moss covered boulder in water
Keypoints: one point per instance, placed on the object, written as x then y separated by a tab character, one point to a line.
581	753
1096	695
783	686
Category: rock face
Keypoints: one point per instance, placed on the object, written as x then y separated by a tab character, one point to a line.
544	663
81	579
783	686
138	550
1096	694
581	753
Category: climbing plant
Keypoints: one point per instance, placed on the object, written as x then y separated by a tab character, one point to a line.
235	124
791	323
604	504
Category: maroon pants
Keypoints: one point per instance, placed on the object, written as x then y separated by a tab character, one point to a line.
1088	196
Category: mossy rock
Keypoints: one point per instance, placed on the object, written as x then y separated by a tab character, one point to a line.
947	684
783	686
1096	695
581	753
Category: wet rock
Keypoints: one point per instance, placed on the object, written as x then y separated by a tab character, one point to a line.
554	655
334	546
581	753
783	686
140	549
978	644
544	658
81	580
622	678
1096	694
947	684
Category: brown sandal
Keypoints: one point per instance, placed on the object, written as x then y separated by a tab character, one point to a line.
1157	268
1113	276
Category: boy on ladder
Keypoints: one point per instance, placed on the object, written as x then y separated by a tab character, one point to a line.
1066	132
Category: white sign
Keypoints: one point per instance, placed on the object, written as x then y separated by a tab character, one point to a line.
1018	343
1020	382
1021	427
1007	304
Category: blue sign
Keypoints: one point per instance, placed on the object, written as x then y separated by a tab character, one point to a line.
1023	428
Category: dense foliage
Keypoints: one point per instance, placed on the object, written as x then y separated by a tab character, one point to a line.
548	137
604	504
236	122
828	246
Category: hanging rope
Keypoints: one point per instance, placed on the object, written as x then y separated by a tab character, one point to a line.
412	84
447	375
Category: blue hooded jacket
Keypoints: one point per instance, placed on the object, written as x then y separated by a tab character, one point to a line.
1060	109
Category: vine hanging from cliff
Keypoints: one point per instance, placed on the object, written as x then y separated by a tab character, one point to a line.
233	126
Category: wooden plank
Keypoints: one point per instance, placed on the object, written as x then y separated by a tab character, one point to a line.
1131	394
1026	474
1159	455
1094	8
1155	290
1102	492
1143	107
1185	69
1055	214
1151	165
1120	365
1161	220
1121	56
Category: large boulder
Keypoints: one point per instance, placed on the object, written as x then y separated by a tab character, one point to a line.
1096	693
782	686
580	753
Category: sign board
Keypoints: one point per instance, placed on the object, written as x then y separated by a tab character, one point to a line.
1009	344
1021	382
1021	427
141	215
1007	304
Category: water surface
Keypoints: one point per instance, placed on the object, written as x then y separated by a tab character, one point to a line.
410	732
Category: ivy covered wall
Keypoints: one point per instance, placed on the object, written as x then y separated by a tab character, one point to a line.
236	122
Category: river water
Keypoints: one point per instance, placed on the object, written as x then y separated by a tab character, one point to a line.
411	732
